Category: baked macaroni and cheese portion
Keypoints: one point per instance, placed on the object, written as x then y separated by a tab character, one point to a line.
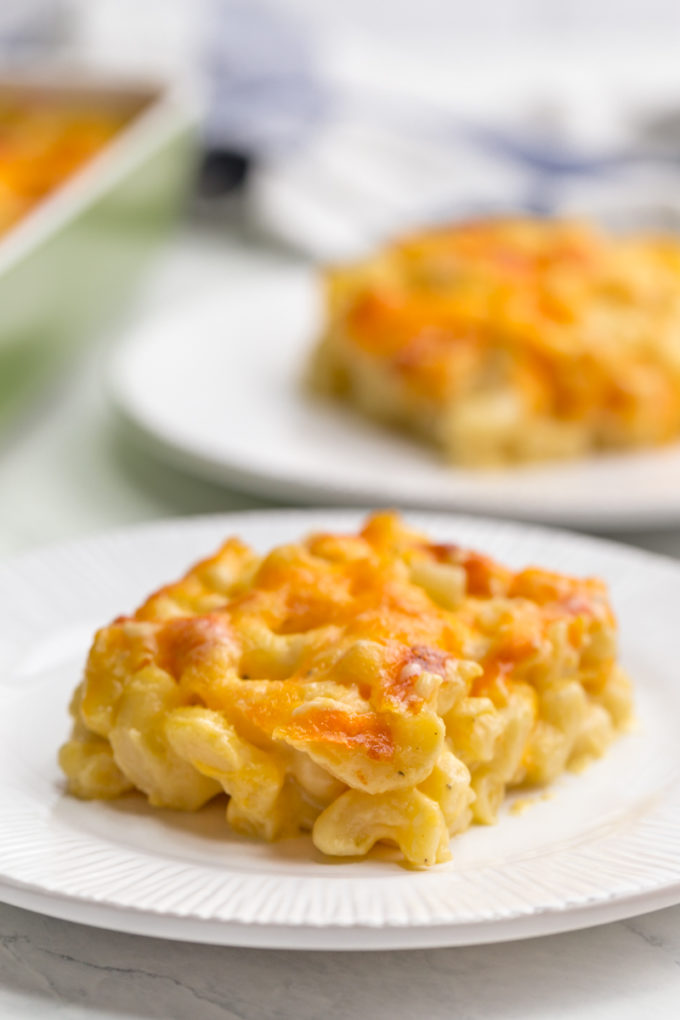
43	141
370	687
510	340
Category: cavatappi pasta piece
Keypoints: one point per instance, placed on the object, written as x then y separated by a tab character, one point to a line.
373	687
356	821
506	340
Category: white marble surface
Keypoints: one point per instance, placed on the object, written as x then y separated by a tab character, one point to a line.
618	972
65	470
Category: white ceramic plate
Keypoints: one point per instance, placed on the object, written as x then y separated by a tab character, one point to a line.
217	388
604	845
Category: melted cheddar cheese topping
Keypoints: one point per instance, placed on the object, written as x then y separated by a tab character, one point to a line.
43	141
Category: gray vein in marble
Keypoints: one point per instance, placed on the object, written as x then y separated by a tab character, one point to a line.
639	925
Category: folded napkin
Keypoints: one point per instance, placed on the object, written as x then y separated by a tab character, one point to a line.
339	165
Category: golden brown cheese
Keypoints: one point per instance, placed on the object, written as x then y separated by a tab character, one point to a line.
369	687
43	141
508	340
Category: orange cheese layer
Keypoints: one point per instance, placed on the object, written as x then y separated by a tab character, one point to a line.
42	142
357	612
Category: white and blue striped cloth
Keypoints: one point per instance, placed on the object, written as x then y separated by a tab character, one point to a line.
339	166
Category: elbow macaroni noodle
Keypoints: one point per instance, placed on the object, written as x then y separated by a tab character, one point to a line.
372	687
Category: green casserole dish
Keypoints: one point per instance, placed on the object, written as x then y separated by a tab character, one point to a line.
68	263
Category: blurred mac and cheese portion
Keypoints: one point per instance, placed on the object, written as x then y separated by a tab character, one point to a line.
510	340
43	140
365	687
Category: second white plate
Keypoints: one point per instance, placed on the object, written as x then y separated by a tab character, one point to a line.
218	389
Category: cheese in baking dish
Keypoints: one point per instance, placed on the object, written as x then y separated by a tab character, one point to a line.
510	340
370	687
44	140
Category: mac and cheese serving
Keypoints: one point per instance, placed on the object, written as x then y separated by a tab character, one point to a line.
43	141
510	340
370	687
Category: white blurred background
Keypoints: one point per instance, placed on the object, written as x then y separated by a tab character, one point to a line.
328	125
361	117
